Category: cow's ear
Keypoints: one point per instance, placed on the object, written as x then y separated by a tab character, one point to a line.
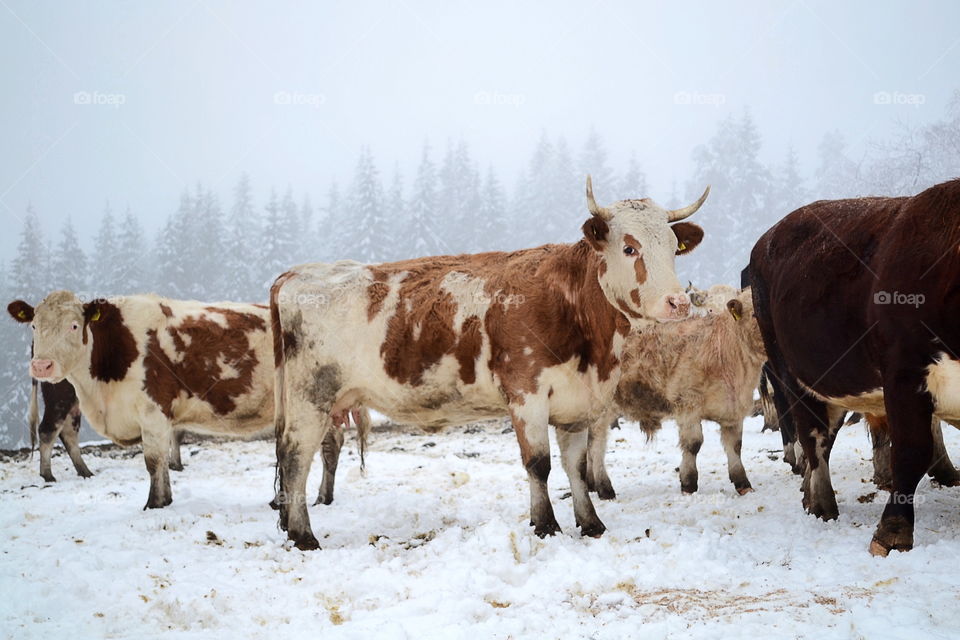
595	230
20	311
688	235
91	312
735	307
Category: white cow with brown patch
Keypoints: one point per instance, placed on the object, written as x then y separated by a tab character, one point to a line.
536	334
144	366
702	368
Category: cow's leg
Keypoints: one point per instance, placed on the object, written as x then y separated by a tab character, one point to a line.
155	434
330	452
597	478
909	413
530	426
296	446
70	436
880	440
176	439
942	469
48	432
731	435
817	425
573	457
691	439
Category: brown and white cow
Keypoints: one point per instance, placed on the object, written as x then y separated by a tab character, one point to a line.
144	366
857	301
536	334
702	368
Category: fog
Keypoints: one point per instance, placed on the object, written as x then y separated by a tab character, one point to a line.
189	91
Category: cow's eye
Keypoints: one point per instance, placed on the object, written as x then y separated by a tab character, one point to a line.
74	326
629	251
33	327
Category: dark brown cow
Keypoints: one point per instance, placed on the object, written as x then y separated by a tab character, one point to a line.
858	302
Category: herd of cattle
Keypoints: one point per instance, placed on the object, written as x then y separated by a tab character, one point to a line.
846	306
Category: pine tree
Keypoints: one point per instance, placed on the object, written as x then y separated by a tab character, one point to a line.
419	235
132	256
492	218
788	191
458	199
69	262
241	250
28	278
366	232
633	182
329	229
396	210
533	204
306	241
565	202
272	260
172	251
593	161
104	255
837	176
207	247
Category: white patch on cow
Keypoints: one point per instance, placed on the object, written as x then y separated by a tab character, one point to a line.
943	383
527	351
866	402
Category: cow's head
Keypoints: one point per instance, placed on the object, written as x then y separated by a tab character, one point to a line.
637	242
740	308
57	324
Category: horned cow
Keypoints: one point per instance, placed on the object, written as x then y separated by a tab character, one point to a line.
536	334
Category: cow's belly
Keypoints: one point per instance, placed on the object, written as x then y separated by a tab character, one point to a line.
576	398
943	382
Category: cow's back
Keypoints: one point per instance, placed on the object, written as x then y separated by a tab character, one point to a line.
813	276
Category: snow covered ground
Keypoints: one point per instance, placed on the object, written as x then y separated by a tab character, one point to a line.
434	543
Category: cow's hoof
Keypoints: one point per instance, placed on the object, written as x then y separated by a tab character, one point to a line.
48	477
175	466
549	529
306	542
688	489
323	500
883	484
606	493
893	534
825	513
594	530
743	489
157	504
947	479
85	473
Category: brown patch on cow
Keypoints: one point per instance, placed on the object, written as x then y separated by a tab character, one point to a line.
20	311
203	346
262	306
639	266
595	232
377	292
468	349
114	347
167	311
622	304
520	429
602	269
635	297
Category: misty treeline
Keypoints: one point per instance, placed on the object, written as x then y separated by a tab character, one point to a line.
230	247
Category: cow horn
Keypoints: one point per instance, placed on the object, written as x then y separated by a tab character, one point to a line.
685	212
592	205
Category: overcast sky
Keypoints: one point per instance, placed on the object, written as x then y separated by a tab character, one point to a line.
133	101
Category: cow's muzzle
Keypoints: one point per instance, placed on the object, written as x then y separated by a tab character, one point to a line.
43	369
673	306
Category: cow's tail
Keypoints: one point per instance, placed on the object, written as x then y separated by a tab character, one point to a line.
363	430
279	391
771	420
33	418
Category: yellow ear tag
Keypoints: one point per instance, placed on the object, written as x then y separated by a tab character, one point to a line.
22	314
95	316
736	316
681	246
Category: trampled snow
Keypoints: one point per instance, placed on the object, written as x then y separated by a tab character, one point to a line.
434	542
